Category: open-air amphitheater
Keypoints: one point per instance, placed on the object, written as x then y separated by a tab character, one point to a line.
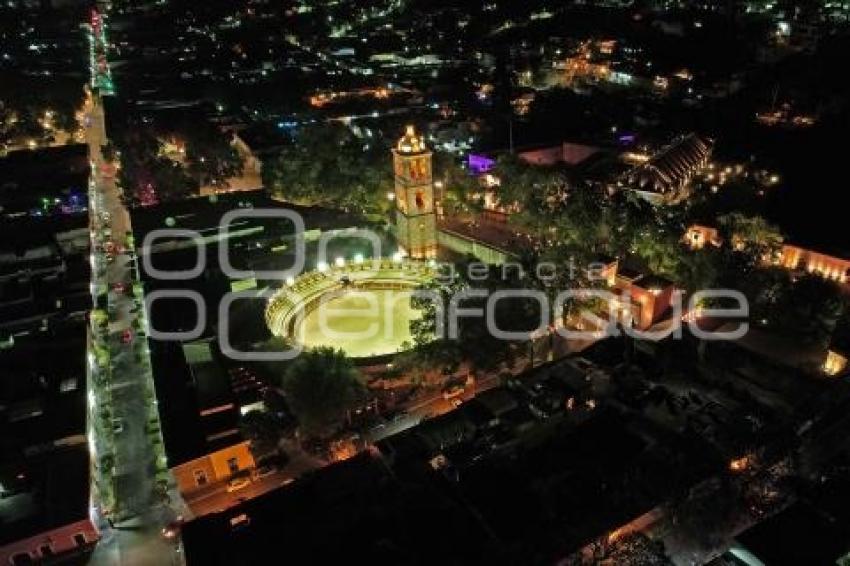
362	307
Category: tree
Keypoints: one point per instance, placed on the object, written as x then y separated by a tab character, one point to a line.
146	176
461	191
328	165
210	157
814	307
660	250
699	270
535	189
756	240
475	343
321	385
262	429
766	290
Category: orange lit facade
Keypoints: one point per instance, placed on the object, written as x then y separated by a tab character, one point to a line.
639	300
791	257
642	300
697	237
828	267
62	543
835	363
214	467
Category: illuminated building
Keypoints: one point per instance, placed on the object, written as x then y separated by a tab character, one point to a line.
826	266
792	258
697	236
642	300
214	467
416	221
835	363
666	176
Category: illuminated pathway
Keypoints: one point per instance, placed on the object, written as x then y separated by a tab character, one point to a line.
132	490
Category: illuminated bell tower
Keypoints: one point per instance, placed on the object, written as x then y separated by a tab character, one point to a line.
416	222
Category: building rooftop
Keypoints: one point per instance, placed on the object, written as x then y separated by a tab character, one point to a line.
204	214
182	432
351	511
49	173
800	534
672	166
44	458
57	494
653	282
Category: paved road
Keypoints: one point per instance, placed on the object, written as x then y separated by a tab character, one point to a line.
140	510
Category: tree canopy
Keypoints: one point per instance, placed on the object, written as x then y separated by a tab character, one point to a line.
328	165
475	342
320	386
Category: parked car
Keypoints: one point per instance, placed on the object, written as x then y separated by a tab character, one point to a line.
263	472
172	529
237	483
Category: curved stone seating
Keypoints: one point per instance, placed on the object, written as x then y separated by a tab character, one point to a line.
293	301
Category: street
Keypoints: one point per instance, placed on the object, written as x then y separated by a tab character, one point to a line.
132	532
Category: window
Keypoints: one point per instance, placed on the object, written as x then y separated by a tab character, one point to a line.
46	550
22	558
200	477
80	539
233	464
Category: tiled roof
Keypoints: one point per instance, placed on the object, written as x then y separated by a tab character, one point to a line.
671	167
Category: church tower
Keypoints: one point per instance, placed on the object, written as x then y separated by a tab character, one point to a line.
415	219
